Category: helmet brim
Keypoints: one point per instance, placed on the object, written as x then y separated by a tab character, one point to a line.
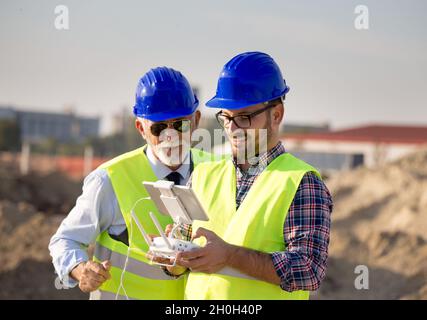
231	104
165	116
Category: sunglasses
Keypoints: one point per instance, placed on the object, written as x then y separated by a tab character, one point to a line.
182	125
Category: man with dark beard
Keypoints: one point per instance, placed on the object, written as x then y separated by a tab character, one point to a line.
269	212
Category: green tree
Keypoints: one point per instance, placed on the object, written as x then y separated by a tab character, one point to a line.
10	136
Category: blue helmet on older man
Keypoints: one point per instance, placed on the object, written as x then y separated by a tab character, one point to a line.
162	94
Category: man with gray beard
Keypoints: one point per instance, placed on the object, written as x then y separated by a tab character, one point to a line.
166	115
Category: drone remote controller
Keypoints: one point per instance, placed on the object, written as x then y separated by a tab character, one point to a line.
160	248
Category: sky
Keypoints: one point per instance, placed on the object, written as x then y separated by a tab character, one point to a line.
337	74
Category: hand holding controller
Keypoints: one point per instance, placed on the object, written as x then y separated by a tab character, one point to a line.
163	246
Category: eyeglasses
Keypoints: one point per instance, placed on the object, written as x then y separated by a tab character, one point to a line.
182	125
241	121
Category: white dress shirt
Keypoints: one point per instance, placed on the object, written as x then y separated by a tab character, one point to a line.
95	211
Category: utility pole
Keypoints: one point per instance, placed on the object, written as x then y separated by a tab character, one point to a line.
88	158
24	164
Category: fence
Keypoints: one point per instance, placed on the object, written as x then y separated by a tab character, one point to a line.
76	167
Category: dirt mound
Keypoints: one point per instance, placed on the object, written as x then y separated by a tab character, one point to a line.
51	193
27	222
380	220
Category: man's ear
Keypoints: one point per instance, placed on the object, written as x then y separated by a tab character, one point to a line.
197	116
278	114
139	126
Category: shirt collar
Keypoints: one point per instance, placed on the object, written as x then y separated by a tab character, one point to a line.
161	170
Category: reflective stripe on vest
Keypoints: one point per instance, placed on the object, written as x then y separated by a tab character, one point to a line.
105	295
134	266
140	279
257	224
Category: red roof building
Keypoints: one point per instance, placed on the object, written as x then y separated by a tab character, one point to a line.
372	134
376	143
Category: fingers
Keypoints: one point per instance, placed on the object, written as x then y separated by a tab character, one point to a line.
89	285
152	236
90	275
149	255
107	265
158	259
202	264
196	264
188	255
168	229
93	275
202	232
99	270
95	271
162	260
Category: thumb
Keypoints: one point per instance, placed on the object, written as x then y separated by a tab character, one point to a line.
202	232
106	264
152	236
168	229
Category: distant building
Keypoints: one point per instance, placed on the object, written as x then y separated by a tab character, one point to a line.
7	114
301	128
369	145
64	127
285	129
122	121
332	151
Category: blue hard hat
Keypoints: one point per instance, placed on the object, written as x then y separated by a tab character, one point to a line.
247	79
162	94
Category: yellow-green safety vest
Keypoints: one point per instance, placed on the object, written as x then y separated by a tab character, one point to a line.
257	224
141	279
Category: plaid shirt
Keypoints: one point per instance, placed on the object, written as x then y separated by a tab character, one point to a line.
302	265
306	231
